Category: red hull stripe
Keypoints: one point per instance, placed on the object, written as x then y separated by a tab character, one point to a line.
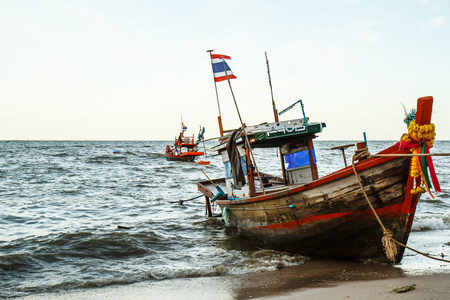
186	154
395	209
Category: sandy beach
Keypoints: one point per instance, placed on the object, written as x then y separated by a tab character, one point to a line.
316	279
425	287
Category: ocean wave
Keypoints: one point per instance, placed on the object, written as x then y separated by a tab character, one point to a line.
71	192
153	155
63	154
133	240
233	264
16	262
260	261
146	185
445	194
431	222
56	168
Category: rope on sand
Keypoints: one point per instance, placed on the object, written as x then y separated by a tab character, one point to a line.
389	243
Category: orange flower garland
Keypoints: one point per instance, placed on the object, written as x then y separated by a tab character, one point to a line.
421	134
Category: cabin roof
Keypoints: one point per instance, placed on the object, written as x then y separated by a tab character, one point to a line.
276	134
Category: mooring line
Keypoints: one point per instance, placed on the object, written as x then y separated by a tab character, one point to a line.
387	240
181	201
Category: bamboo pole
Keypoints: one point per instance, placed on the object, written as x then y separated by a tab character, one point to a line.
275	111
275	114
245	133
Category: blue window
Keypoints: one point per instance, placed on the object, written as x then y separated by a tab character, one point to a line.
298	159
227	167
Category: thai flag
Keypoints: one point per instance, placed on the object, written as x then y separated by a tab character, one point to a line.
184	127
220	66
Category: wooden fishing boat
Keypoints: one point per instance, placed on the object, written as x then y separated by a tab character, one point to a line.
330	216
185	148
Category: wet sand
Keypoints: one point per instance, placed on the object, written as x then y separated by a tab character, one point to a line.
316	279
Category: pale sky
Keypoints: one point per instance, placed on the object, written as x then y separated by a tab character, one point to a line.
129	70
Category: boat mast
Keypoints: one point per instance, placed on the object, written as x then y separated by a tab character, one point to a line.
275	114
219	118
275	111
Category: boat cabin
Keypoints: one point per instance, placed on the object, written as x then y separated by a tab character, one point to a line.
183	149
293	138
182	145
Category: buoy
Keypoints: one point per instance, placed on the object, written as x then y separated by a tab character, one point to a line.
202	162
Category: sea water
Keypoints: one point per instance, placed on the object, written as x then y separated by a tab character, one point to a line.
73	214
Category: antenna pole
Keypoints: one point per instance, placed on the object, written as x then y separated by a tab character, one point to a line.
275	111
275	114
305	121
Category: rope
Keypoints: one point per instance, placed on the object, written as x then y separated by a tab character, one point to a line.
424	254
181	201
387	240
360	154
407	155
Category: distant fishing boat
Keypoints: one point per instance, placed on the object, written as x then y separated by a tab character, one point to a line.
184	148
343	215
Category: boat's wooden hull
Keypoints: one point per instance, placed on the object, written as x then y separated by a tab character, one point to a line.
187	157
330	217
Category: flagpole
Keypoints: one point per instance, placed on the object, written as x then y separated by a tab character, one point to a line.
219	118
245	133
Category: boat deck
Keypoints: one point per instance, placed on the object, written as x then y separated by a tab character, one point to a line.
271	184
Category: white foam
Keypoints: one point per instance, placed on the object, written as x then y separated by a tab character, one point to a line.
431	222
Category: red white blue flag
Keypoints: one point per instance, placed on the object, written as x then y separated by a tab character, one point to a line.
220	67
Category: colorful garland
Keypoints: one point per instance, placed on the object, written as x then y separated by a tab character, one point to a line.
418	190
420	133
419	139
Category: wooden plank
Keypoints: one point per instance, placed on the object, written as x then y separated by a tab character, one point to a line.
424	109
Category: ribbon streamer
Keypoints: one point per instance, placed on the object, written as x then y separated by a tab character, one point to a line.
427	163
425	167
434	179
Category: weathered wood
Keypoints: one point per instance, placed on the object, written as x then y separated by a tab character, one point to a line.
424	108
329	216
342	148
316	221
314	172
208	207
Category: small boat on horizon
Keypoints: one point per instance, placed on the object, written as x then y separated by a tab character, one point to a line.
184	148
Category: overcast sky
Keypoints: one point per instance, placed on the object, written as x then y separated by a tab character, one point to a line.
130	70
